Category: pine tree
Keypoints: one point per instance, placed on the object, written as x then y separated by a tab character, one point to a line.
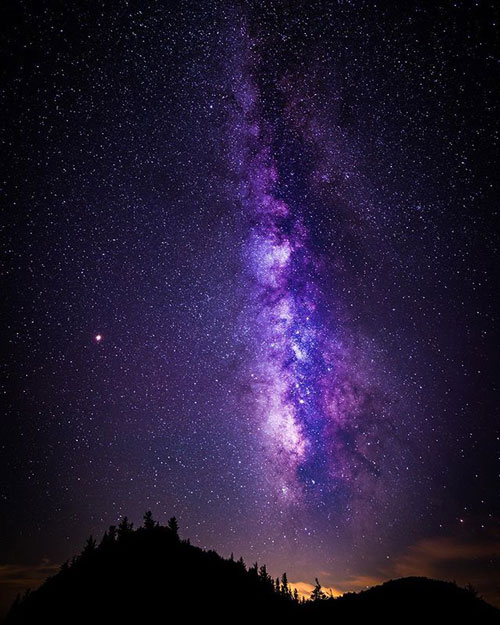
317	594
173	526
124	528
149	523
285	589
254	570
90	547
263	574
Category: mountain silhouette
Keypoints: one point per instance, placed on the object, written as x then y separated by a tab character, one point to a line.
149	573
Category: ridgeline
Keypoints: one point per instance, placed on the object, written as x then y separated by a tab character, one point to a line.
135	575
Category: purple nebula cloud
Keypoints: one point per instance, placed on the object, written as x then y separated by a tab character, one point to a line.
307	393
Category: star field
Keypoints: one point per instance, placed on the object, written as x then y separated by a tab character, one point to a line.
249	281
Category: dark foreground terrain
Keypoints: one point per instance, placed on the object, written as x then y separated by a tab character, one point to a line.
135	576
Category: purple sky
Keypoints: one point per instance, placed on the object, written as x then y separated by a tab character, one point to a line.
278	218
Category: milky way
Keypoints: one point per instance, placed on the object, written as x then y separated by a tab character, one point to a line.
283	310
305	387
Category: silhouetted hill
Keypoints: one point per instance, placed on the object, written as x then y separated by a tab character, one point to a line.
149	573
410	599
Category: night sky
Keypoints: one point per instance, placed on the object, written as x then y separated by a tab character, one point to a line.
249	281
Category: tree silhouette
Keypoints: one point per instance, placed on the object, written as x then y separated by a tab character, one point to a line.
149	523
254	570
173	526
285	589
317	594
124	528
109	538
470	588
90	547
241	563
112	532
264	575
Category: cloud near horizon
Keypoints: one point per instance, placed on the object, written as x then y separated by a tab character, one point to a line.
304	589
17	578
465	560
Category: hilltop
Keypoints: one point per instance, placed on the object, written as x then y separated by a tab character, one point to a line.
149	573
